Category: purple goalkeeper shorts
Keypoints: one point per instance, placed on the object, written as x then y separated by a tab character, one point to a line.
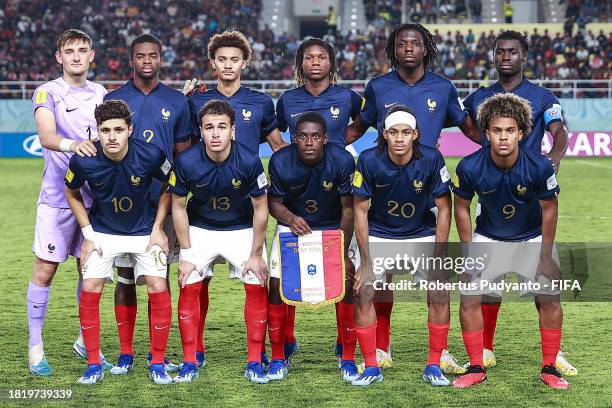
57	234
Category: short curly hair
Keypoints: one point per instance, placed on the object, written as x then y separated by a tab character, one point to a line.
217	107
113	109
234	39
505	105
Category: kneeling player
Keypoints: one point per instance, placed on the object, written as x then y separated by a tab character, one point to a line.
311	190
398	177
518	195
122	220
226	216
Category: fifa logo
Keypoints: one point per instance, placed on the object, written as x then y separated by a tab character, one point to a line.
335	112
431	104
327	185
246	115
521	190
236	184
312	269
418	186
165	114
135	180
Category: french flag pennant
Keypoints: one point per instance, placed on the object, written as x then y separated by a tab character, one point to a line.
312	268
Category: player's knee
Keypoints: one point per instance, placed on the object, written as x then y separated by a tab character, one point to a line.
156	284
469	304
92	285
43	272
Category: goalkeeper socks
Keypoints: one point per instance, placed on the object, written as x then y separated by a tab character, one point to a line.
201	346
338	324
125	315
189	318
473	346
161	317
489	318
551	343
367	344
37	300
438	341
383	327
290	325
349	334
277	316
255	318
89	315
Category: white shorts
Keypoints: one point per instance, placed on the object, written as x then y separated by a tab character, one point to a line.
151	263
501	258
234	246
274	255
127	261
57	234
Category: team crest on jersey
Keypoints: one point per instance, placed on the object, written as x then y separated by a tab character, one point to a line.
165	114
246	115
335	112
274	263
418	185
135	180
236	184
431	104
521	190
327	185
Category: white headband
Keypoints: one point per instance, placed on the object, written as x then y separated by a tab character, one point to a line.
402	117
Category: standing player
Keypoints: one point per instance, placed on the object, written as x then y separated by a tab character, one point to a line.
392	185
161	117
316	74
227	216
510	51
412	51
518	196
63	110
230	53
311	190
123	219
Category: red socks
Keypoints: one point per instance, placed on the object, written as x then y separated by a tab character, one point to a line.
290	325
551	342
438	341
255	318
473	346
189	318
367	344
277	316
201	346
89	315
125	315
383	324
338	324
489	318
346	316
161	317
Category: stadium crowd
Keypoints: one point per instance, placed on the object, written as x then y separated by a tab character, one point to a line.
27	30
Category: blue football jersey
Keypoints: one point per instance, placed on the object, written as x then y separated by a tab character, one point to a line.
160	117
337	104
433	99
312	192
122	203
545	109
221	192
399	205
255	116
509	199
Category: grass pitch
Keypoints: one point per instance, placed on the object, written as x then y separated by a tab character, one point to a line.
585	215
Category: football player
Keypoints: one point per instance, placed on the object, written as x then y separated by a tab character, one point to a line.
518	190
227	216
123	219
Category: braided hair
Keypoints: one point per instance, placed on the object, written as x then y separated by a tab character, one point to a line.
299	75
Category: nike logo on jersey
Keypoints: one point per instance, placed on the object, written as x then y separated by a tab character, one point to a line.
297	187
201	185
293	115
388	105
488	192
382	185
71	110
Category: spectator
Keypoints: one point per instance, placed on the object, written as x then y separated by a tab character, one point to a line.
431	11
332	19
508	11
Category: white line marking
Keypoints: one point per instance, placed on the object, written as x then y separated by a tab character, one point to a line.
589	163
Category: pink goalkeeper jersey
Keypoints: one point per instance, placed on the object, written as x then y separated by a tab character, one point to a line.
74	117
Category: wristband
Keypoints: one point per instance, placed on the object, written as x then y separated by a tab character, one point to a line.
88	232
188	255
66	145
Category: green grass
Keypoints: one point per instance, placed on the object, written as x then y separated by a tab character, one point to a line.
585	215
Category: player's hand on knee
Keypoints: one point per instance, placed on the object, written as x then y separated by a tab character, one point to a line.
548	268
299	226
184	271
84	148
257	266
159	238
87	248
349	268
